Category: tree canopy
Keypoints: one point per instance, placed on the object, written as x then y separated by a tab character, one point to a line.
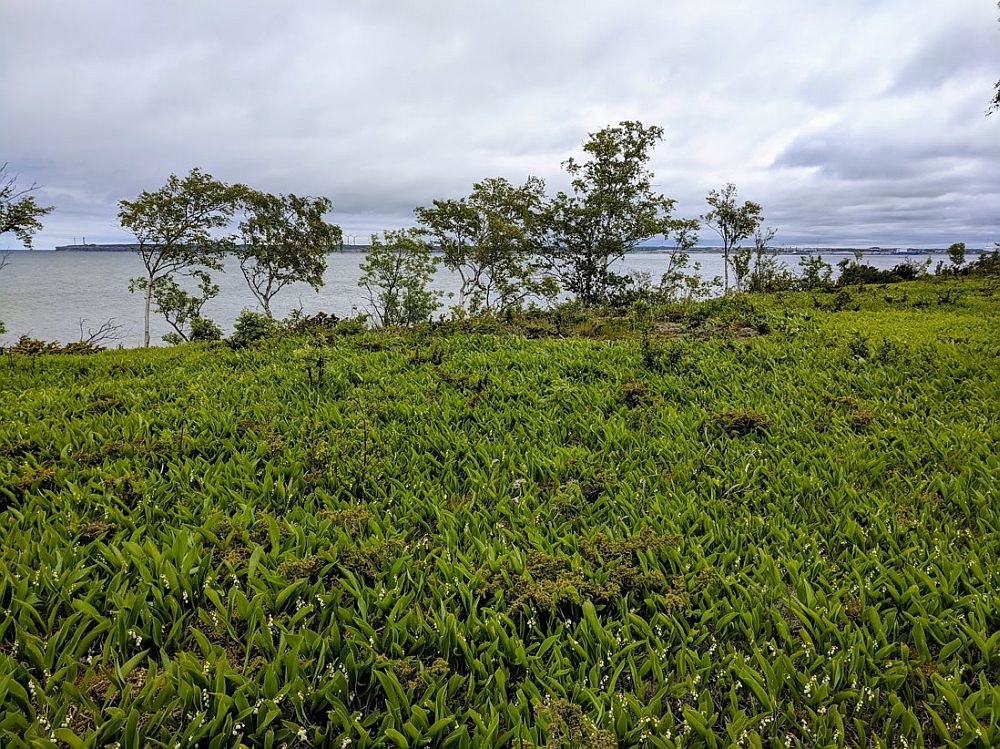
491	238
732	221
611	208
396	274
20	214
283	239
174	229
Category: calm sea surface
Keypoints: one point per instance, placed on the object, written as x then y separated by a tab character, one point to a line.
46	294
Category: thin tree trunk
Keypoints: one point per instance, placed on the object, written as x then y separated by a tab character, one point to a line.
725	263
149	302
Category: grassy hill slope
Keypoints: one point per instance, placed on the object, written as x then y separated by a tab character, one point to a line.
700	536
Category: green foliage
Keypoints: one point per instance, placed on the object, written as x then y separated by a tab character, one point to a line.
987	264
282	239
742	422
19	213
732	222
251	327
396	273
682	280
611	209
758	270
181	308
856	272
203	329
27	346
956	254
491	239
816	273
3	264
475	540
173	227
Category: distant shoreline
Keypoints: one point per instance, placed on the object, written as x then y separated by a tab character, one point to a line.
902	251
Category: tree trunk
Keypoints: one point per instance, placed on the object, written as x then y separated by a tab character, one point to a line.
725	265
149	302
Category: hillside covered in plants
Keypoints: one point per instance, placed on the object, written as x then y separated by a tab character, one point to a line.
754	521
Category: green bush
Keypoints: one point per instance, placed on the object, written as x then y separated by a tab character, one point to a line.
203	329
251	327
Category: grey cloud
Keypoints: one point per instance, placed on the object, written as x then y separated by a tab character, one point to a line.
969	45
847	120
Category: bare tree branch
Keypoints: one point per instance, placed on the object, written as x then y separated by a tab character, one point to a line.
108	332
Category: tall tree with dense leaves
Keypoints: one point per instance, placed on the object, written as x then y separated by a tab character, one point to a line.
732	221
173	228
283	239
611	208
19	213
396	276
491	240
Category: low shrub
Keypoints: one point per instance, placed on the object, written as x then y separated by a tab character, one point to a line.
251	327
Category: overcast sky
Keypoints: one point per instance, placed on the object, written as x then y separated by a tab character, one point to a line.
855	122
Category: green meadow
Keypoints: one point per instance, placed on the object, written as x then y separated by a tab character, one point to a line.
763	521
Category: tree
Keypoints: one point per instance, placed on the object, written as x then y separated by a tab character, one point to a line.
19	213
956	254
757	268
491	239
612	207
182	309
396	274
676	283
731	221
283	239
816	273
173	229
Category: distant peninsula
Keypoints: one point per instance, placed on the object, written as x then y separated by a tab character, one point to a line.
135	248
97	248
642	248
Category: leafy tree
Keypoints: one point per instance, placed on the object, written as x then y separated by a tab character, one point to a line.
19	213
816	273
676	283
396	274
757	268
182	309
956	254
173	228
611	208
491	239
741	259
731	221
283	239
